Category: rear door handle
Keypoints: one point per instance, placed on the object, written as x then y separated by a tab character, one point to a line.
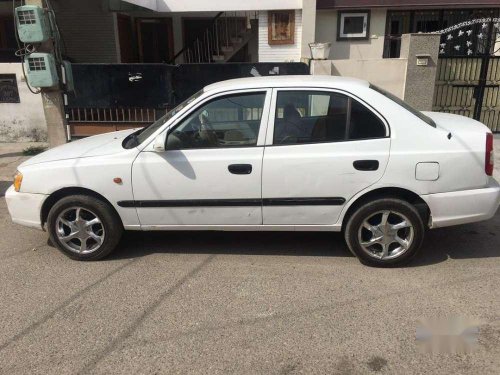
240	168
366	165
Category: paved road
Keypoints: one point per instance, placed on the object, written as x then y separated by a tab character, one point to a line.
271	303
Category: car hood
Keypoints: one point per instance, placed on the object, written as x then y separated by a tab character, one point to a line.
97	145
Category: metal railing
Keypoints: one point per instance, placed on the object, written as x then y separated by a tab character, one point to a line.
219	41
120	115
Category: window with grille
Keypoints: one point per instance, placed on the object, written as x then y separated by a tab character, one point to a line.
425	21
9	92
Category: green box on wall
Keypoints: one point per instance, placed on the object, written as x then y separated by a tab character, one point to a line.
41	70
32	24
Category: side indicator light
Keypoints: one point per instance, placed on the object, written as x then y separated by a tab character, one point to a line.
18	179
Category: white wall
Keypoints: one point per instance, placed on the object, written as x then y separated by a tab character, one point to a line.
373	48
24	121
279	53
390	74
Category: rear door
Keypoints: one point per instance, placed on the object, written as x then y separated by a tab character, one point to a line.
322	147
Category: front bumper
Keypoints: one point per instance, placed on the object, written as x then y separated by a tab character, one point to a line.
25	208
461	207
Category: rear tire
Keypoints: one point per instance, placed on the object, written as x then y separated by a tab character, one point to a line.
385	232
84	228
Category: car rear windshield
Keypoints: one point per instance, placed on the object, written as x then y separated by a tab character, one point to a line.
406	106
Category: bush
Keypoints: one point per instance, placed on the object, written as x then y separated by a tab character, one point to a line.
33	150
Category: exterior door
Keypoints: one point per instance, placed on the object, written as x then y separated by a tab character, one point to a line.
155	37
125	38
323	149
211	172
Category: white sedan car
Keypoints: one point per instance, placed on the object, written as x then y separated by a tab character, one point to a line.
289	153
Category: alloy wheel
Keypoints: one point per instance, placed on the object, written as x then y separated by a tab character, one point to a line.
80	230
386	234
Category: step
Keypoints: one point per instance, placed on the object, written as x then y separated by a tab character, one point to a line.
227	49
218	58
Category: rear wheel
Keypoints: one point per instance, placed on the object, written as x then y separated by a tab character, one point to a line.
83	227
385	232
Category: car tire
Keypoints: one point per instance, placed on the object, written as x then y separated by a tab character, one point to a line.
385	232
84	228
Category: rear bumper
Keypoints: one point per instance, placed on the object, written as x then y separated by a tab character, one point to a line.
461	207
25	208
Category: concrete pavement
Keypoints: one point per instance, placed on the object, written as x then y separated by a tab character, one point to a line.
270	303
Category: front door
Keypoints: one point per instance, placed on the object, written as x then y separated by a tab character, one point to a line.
324	148
155	38
211	172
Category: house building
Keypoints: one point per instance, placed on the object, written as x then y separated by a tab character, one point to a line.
378	40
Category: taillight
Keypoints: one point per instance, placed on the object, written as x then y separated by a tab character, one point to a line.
489	157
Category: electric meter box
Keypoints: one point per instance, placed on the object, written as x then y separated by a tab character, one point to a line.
68	80
41	70
32	24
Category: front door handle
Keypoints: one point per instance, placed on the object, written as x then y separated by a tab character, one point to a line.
240	168
366	165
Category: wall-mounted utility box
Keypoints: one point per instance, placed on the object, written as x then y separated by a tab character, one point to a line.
67	76
41	70
32	24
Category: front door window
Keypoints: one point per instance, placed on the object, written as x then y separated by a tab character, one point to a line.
229	121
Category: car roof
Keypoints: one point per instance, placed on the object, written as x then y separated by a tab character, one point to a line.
323	81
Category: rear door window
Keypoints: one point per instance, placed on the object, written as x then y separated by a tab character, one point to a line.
309	117
321	116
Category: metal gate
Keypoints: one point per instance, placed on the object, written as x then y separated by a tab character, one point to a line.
468	71
110	97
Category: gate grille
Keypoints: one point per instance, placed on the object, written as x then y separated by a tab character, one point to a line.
457	86
468	71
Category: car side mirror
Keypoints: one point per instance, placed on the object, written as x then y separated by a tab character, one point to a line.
159	144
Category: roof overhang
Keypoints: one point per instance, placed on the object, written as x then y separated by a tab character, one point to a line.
408	4
215	6
149	4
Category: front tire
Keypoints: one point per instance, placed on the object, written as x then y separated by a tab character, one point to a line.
385	232
84	228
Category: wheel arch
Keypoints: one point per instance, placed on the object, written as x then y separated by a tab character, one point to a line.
389	192
57	195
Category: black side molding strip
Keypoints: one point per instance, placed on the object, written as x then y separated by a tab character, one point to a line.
192	203
336	201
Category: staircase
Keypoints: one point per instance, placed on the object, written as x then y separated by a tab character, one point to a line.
218	43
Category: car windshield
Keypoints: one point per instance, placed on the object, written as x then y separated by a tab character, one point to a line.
135	139
406	106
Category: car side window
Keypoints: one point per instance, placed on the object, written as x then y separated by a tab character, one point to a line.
320	116
309	117
364	123
229	121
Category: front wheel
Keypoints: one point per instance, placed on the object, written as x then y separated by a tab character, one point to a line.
83	227
385	232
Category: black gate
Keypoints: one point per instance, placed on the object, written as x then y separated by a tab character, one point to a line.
468	72
111	97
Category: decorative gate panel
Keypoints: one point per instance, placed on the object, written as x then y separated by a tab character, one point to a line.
490	107
456	80
468	71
